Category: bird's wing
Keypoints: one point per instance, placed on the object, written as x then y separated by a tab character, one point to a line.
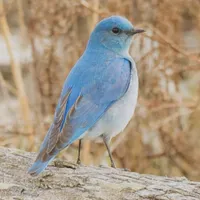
85	97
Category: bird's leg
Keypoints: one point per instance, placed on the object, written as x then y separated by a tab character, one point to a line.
109	153
79	153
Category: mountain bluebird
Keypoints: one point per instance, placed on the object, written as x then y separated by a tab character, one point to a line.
99	95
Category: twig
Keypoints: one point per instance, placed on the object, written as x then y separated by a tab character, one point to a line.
167	120
169	42
93	9
158	155
17	75
21	17
7	85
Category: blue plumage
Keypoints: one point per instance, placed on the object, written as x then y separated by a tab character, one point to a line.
98	82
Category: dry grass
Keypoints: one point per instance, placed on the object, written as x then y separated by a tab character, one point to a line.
163	137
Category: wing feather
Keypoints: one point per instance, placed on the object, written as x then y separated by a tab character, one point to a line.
58	119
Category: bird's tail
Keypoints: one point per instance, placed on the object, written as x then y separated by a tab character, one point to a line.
37	167
40	163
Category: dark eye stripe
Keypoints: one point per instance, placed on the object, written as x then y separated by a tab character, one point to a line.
116	30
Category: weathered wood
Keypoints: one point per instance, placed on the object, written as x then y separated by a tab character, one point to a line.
69	181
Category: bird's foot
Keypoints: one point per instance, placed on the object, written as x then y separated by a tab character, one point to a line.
47	174
113	165
64	164
125	169
78	162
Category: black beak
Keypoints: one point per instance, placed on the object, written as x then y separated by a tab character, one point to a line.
135	31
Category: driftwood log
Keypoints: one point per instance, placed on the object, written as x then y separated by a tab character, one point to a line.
63	180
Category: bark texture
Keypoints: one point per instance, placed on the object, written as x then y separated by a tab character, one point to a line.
63	180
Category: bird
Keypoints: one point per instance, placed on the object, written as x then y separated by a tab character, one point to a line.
99	95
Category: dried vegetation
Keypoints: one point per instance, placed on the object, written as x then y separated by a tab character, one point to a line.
164	135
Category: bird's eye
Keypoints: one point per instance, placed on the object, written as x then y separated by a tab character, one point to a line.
116	30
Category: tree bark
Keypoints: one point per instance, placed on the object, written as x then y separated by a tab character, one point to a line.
63	180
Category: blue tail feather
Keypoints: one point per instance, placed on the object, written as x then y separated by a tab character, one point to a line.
38	166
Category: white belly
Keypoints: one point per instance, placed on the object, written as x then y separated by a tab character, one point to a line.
119	114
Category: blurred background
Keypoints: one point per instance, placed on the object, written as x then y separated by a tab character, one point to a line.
40	41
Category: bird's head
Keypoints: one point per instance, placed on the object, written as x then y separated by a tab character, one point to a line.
113	33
